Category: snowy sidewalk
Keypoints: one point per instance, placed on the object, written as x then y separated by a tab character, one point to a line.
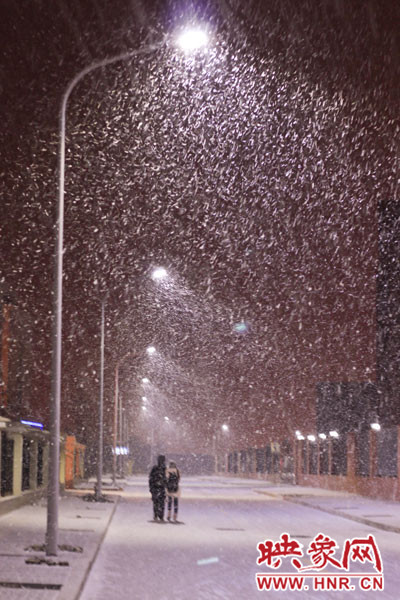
383	514
81	524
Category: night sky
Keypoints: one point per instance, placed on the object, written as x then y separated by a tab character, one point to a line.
252	172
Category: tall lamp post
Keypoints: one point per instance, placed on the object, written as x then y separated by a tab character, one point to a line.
99	491
224	428
187	42
116	400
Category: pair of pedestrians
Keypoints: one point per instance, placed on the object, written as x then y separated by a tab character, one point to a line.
164	482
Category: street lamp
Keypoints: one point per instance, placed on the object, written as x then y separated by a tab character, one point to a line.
192	39
55	403
159	273
225	428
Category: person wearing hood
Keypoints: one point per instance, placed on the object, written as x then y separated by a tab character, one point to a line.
173	477
157	484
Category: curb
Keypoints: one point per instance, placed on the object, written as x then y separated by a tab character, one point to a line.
73	590
383	526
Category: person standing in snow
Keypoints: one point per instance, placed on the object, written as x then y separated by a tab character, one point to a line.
173	492
157	484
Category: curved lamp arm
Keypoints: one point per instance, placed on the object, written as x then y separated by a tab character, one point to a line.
55	402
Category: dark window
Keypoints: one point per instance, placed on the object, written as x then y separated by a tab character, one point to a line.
235	462
339	456
260	460
7	460
362	452
250	463
268	459
243	461
40	465
323	458
313	457
26	464
387	452
303	456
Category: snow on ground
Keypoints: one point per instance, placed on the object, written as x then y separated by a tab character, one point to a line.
213	555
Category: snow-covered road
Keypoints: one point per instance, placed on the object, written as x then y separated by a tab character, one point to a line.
214	554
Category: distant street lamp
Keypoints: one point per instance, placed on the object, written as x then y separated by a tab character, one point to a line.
115	421
192	39
150	350
159	273
55	404
225	428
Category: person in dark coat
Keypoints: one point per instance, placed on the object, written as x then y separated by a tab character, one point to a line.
157	483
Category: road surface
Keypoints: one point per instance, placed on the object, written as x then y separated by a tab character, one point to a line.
214	554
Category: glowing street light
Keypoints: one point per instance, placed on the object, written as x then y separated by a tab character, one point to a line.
145	380
322	436
187	41
192	39
159	273
334	434
150	350
225	427
375	426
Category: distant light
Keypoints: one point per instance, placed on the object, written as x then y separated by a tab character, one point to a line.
300	437
144	407
192	39
322	436
150	350
297	432
311	438
225	427
144	398
121	450
241	327
32	424
145	380
159	273
166	418
334	434
375	426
